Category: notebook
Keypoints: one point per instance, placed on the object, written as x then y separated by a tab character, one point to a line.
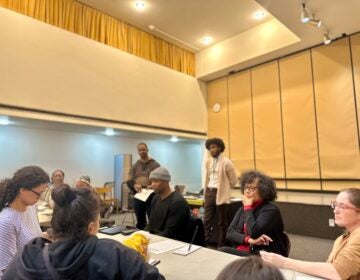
184	251
113	230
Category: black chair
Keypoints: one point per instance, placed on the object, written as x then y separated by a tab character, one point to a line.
287	243
197	228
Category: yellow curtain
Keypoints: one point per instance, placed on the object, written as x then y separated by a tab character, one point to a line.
83	20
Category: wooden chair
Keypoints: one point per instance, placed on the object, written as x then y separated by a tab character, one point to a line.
107	196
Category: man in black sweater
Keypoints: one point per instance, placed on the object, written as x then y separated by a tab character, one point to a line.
170	213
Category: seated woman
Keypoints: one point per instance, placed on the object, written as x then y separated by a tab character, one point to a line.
344	259
18	218
57	179
76	252
257	225
250	268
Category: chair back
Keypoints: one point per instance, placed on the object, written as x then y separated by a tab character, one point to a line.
287	244
197	226
107	196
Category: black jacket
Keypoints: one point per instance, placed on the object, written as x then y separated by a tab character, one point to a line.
91	259
264	219
170	217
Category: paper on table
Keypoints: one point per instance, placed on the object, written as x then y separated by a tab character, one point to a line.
184	251
164	246
144	194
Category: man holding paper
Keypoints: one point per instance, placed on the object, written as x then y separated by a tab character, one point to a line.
139	181
170	213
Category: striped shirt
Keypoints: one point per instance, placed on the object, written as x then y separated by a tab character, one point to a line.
16	229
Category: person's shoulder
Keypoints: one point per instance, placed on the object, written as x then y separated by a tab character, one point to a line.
178	198
8	215
269	205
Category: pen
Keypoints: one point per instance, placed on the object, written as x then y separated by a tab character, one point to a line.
156	263
193	237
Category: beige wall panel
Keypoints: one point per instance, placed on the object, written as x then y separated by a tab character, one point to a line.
267	120
218	121
303	185
337	127
300	141
240	121
281	184
355	48
337	186
46	68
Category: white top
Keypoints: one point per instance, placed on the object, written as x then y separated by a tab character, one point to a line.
16	229
213	173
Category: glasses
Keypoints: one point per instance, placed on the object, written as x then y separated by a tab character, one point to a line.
341	206
37	194
250	188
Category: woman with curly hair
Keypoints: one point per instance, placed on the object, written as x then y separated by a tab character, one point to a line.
257	225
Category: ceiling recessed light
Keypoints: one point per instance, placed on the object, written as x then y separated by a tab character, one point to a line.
259	15
206	40
4	120
174	139
140	5
152	27
109	132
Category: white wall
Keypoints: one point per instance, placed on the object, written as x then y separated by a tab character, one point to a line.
90	154
46	68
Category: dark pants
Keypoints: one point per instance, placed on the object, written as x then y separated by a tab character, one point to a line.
141	209
233	251
212	213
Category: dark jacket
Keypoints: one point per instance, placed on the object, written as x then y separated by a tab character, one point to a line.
264	219
170	217
91	259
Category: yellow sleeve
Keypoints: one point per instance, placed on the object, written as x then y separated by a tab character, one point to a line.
347	261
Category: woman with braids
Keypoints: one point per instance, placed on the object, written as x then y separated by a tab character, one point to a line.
18	220
76	252
257	225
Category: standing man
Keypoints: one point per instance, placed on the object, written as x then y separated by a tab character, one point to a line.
139	179
220	177
170	213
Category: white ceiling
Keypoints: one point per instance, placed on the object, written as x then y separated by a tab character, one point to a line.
189	20
186	20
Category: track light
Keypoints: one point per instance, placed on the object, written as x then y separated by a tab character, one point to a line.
305	16
315	22
326	38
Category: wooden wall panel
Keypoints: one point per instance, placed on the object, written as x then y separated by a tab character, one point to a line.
269	155
355	49
337	127
218	123
299	123
240	121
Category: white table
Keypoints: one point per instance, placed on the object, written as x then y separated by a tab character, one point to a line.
203	264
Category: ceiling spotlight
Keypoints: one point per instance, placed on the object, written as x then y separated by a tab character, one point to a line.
259	15
326	38
151	27
140	5
305	16
206	40
315	22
